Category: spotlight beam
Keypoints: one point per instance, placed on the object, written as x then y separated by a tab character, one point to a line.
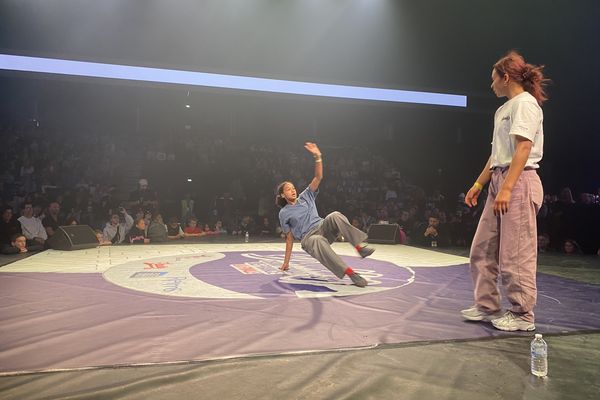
180	77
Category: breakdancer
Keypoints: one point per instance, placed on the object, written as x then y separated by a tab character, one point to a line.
300	220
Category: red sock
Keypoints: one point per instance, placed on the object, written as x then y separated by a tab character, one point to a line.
348	271
357	247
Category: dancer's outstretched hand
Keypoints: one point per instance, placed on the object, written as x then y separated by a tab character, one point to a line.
312	148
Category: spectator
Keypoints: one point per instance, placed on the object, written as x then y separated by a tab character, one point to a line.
266	228
144	197
9	226
187	207
18	245
543	243
31	226
116	230
52	219
432	236
356	223
157	230
137	234
174	230
570	247
192	229
72	221
100	238
219	229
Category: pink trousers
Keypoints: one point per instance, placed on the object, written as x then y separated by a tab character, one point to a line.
506	246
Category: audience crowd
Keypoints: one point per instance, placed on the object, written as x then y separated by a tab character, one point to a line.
77	179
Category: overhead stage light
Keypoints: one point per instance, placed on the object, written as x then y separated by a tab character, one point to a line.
114	71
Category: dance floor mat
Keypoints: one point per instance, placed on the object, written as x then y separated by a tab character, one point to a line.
160	304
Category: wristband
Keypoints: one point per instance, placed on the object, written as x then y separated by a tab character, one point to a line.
478	186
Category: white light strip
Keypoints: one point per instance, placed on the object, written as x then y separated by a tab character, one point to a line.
114	71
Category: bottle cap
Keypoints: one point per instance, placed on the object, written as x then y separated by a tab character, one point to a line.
538	335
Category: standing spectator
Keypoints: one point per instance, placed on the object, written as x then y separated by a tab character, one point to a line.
143	196
187	207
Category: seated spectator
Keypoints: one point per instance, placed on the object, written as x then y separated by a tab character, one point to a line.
31	226
543	243
246	225
570	247
174	230
366	221
432	236
157	230
100	237
192	229
116	229
266	228
18	245
356	223
207	230
137	234
52	219
9	226
219	229
72	221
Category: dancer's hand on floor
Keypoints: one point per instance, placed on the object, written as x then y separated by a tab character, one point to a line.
284	267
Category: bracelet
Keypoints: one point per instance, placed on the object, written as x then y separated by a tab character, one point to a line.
478	186
317	160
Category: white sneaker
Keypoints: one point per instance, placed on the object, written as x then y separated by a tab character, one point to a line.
475	314
512	322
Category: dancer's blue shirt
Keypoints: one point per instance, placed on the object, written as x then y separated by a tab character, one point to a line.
301	217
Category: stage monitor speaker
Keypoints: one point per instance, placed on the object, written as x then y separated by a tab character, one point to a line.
73	237
384	233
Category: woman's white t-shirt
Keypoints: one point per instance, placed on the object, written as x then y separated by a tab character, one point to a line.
519	116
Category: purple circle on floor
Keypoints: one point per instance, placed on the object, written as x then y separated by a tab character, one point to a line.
257	274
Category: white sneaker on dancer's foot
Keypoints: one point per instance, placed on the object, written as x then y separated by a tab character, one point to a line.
475	314
512	322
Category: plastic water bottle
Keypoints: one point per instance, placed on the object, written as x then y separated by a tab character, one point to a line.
539	356
247	237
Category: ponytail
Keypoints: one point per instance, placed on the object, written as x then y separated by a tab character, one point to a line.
530	76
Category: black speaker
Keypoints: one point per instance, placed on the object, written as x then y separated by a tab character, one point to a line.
384	233
73	237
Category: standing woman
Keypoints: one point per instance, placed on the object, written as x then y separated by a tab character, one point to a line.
505	243
300	220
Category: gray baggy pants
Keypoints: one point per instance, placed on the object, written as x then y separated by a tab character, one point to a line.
507	246
317	242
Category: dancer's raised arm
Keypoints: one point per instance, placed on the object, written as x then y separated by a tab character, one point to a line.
316	153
